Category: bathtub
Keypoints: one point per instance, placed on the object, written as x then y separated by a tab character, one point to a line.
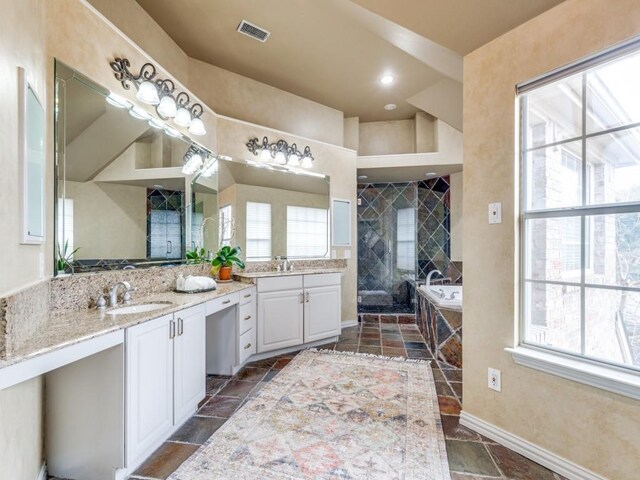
447	296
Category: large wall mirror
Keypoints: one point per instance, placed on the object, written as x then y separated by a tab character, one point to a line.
122	199
271	212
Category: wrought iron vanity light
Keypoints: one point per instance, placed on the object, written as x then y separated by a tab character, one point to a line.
281	153
162	94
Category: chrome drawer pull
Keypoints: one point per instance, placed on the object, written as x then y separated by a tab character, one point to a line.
180	326
172	329
248	345
248	317
226	301
247	295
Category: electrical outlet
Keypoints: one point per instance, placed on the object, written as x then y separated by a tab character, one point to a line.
495	213
359	202
495	379
359	299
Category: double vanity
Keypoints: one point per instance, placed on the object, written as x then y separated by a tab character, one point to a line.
119	384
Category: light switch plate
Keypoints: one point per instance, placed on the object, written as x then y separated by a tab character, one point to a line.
495	213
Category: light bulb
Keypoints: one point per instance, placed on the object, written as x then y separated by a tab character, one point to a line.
281	158
195	161
294	160
211	169
197	127
117	101
167	107
265	155
148	93
307	162
183	117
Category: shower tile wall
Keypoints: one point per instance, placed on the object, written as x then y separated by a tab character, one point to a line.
403	233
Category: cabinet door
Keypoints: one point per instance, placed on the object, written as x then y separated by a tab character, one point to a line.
189	362
322	313
280	321
149	407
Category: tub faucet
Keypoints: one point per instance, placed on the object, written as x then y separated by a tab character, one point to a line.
430	274
113	293
453	295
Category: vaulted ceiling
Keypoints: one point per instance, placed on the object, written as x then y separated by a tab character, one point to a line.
335	51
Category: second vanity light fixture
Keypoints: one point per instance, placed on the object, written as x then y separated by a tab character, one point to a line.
162	94
198	160
281	153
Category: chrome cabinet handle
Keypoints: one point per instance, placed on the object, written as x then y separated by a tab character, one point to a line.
306	295
172	329
180	326
248	345
248	317
301	297
247	295
226	301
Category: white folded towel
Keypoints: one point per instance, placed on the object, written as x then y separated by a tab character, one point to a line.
198	283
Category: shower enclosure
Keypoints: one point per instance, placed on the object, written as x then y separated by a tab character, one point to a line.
403	233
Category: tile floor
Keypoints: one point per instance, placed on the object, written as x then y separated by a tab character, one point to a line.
471	456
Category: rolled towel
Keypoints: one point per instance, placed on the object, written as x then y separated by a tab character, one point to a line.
198	283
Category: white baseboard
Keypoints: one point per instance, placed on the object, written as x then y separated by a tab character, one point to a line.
349	323
527	449
43	472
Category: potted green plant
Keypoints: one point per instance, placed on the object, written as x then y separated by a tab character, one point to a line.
64	257
224	260
196	256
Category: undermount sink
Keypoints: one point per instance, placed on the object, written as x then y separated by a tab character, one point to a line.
140	308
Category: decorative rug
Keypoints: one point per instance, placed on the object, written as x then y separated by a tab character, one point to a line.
332	415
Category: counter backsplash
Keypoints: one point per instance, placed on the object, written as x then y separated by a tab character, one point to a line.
26	311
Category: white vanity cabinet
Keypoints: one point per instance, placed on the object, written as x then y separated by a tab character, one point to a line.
165	378
297	309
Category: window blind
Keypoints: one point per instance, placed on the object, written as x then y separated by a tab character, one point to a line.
258	231
307	232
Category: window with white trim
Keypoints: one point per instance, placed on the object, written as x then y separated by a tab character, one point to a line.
580	150
225	225
406	239
258	231
307	232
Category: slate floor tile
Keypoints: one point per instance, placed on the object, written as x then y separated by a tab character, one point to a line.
197	430
220	406
470	457
237	388
165	460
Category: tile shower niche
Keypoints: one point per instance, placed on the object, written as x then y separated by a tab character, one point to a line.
404	231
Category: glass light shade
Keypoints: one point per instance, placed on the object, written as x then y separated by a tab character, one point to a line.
294	160
155	123
117	101
307	162
281	158
197	127
265	155
167	107
148	93
195	161
183	117
211	169
188	169
137	112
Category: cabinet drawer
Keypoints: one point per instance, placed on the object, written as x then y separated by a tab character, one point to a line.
274	284
247	317
246	345
322	280
247	296
221	303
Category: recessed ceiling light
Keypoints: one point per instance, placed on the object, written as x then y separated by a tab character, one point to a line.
362	177
430	174
387	79
390	106
160	187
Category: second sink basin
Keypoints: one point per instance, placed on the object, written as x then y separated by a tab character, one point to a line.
140	308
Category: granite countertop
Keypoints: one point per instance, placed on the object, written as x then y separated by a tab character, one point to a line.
72	327
316	271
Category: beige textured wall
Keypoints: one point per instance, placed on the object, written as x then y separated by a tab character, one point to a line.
387	138
336	162
352	133
238	195
425	125
109	220
240	97
22	43
455	192
593	428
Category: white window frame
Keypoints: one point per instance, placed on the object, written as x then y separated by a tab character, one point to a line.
325	254
225	213
620	379
269	239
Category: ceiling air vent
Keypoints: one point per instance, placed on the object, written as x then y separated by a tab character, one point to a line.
253	31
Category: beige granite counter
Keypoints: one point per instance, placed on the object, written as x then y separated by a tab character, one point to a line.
65	328
249	277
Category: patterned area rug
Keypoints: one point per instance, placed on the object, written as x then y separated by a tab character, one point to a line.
332	415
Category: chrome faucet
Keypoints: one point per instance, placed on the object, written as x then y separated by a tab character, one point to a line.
285	266
113	293
430	274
